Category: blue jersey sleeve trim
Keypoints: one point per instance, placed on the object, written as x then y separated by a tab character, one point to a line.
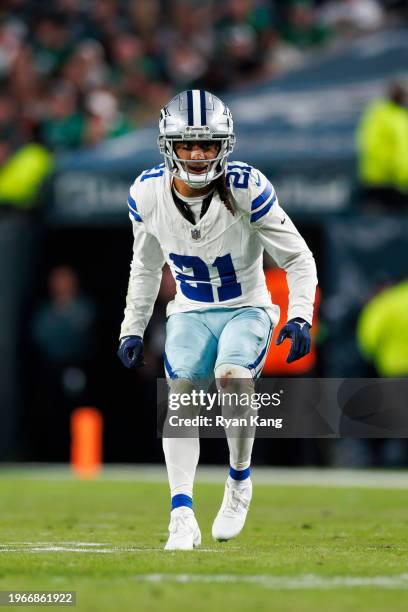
132	203
135	215
260	213
262	197
133	208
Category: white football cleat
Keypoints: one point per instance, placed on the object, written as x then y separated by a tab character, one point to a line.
234	508
184	530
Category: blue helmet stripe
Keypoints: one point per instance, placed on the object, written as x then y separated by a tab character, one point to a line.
203	109
190	107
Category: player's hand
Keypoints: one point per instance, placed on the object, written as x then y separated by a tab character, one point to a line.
130	351
298	331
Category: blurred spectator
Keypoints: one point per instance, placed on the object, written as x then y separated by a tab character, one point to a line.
132	71
23	80
351	17
63	335
188	43
302	27
50	45
106	20
383	149
10	43
86	67
62	328
246	35
156	94
187	65
105	120
280	56
64	125
75	17
144	16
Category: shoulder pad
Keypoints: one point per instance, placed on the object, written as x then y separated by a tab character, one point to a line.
251	190
142	194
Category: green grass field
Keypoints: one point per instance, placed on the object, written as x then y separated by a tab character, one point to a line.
303	548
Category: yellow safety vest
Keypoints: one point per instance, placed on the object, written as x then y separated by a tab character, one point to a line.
382	141
382	331
21	176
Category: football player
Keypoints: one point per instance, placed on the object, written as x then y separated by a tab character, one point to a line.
211	220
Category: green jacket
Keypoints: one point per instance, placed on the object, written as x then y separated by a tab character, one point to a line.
382	140
382	331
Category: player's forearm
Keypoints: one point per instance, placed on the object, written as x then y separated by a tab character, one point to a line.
142	293
302	280
289	250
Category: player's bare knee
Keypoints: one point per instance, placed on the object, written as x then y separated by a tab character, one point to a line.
233	378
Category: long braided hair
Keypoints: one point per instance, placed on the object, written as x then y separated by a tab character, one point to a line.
223	191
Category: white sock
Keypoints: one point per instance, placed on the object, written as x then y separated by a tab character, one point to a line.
240	451
181	456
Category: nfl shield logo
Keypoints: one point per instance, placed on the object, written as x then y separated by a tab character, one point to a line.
195	234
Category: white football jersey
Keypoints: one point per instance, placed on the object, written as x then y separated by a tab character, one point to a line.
218	262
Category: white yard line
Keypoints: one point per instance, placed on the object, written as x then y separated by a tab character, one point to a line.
325	477
304	581
83	547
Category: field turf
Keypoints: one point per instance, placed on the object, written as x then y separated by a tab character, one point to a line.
304	548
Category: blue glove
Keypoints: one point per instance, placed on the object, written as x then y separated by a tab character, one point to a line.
298	331
130	351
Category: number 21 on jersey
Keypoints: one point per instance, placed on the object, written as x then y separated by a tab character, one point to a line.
197	285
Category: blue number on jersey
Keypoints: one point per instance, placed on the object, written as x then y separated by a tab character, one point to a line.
229	287
239	179
154	172
201	277
202	292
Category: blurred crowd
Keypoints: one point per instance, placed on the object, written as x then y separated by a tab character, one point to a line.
75	72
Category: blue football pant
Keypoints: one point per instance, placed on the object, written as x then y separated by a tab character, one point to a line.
198	342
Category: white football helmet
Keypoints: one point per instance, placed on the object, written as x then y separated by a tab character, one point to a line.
190	116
